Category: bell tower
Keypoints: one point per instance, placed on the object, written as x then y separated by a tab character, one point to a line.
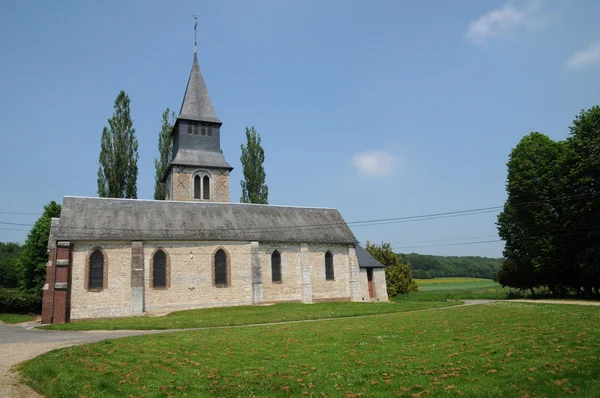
198	171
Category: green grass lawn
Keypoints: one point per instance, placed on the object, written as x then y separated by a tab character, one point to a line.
244	315
16	318
502	349
449	280
456	284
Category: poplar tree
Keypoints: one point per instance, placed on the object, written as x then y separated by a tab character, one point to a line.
254	188
165	146
118	171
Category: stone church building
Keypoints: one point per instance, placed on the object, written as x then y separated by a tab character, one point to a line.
124	257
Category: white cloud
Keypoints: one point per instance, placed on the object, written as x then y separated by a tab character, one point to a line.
374	163
586	57
505	21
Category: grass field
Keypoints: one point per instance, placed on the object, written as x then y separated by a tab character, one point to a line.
501	349
16	318
436	281
230	316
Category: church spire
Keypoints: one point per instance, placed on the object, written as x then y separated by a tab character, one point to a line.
196	103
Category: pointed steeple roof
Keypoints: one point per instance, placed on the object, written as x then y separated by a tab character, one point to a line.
196	101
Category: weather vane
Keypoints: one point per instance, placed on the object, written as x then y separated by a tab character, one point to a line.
195	36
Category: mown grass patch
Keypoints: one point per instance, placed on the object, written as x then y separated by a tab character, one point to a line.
16	318
244	315
435	281
502	349
486	293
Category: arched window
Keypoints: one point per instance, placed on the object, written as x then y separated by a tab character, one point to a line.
221	268
197	187
159	269
329	266
96	273
276	266
206	187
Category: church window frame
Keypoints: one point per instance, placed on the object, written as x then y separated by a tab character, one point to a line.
329	266
196	127
227	280
276	274
199	185
88	264
167	269
189	128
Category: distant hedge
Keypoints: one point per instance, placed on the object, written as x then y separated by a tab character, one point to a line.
20	302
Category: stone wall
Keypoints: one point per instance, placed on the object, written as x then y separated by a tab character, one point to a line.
181	183
112	301
190	278
379	284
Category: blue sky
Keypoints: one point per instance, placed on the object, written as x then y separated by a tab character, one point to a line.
380	109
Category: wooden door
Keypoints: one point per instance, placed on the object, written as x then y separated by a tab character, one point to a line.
370	279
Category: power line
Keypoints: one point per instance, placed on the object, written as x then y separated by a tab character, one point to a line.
448	244
363	223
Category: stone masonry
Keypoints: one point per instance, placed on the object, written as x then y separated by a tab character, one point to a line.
191	281
182	187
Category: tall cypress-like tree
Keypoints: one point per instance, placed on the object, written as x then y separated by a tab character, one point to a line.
118	171
254	188
165	146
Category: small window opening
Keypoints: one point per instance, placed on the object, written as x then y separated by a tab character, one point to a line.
329	266
276	266
197	187
206	187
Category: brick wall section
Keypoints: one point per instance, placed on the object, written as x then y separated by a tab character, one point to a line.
48	288
182	184
56	293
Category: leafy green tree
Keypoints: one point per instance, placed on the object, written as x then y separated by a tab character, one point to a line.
165	146
531	215
34	256
254	188
118	170
398	276
581	241
9	255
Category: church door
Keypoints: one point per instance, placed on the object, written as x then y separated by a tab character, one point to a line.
370	279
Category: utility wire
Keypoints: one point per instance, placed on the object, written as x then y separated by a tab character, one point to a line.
373	222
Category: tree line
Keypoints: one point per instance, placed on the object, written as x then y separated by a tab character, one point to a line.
551	218
425	266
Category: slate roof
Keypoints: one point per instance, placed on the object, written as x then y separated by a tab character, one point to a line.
133	219
198	158
196	103
365	260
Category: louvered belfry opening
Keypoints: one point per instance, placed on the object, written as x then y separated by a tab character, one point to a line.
276	266
206	187
96	276
221	268
329	266
197	187
159	269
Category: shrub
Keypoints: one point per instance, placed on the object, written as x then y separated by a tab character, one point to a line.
20	301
